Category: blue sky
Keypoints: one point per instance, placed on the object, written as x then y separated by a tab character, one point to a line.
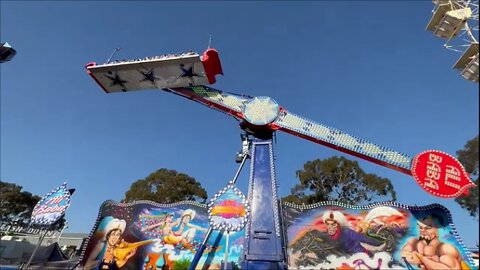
367	68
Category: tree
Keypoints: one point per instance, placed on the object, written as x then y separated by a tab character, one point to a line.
468	156
338	179
166	186
16	205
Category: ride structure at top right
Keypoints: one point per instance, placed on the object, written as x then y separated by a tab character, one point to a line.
456	22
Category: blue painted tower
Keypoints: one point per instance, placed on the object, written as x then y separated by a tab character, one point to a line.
263	239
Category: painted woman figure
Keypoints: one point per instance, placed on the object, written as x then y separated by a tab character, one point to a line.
103	255
178	231
182	231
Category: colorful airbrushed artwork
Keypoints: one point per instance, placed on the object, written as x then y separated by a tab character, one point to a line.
380	236
228	210
327	235
146	235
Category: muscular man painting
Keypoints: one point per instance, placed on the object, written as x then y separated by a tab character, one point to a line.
427	252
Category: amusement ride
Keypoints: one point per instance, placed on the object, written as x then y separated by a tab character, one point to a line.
188	74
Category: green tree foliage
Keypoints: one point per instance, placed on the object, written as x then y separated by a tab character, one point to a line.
338	179
15	204
182	264
468	156
166	186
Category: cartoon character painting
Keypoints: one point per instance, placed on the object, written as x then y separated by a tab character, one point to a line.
179	232
112	252
337	233
346	238
382	236
150	236
329	235
427	251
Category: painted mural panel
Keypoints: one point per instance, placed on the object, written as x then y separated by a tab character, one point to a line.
330	235
149	236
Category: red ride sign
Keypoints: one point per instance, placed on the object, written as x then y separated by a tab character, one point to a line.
440	174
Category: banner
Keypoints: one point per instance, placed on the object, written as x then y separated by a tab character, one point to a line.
440	174
327	235
147	235
52	206
8	228
380	236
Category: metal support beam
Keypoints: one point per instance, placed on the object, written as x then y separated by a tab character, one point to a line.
263	236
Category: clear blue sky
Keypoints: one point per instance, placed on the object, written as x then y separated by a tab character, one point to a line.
367	68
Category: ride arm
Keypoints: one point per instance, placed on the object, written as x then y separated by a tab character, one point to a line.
228	103
243	108
341	141
233	104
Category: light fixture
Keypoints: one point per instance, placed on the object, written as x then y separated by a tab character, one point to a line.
260	111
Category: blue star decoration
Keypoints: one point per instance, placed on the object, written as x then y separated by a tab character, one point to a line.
149	76
116	80
189	73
